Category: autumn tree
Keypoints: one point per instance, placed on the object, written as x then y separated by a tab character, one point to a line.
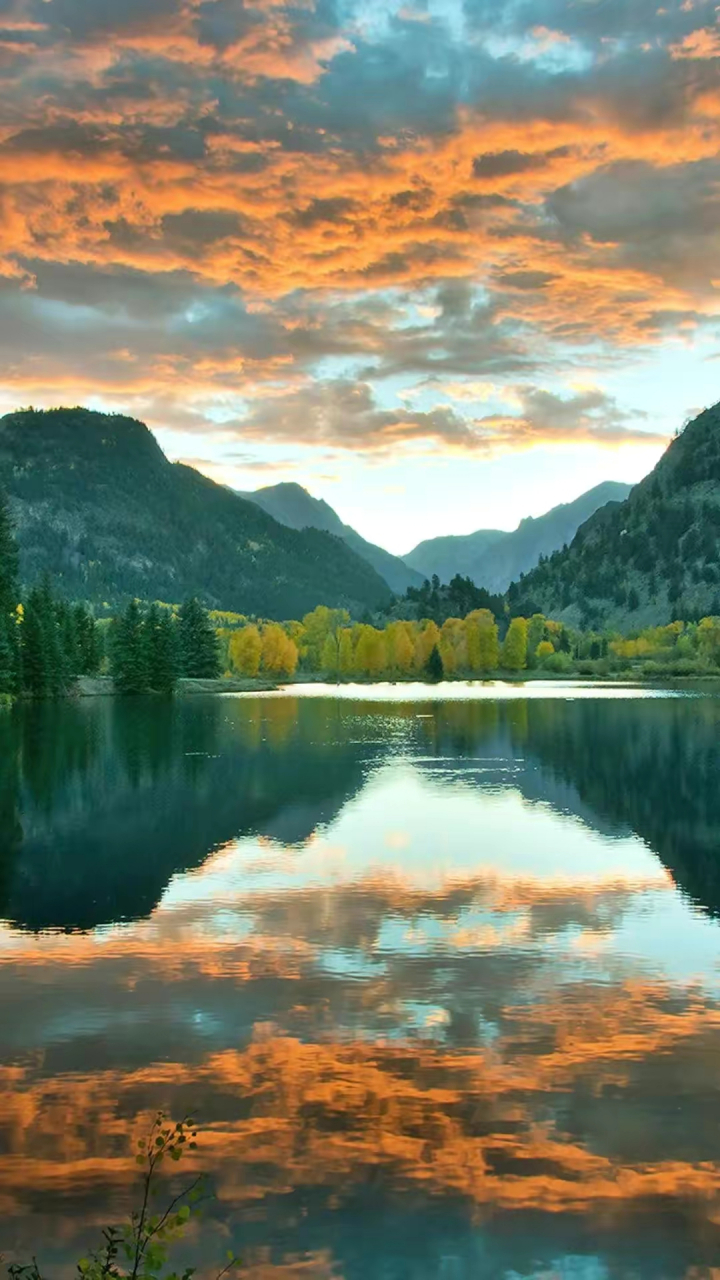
535	634
481	635
513	655
370	652
330	658
317	626
453	646
400	647
426	640
279	651
245	650
345	662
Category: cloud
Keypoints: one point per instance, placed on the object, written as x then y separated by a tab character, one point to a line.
345	415
202	195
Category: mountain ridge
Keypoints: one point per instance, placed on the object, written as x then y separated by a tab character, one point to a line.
97	504
494	558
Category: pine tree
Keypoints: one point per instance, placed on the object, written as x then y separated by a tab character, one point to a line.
199	656
88	641
129	652
69	641
44	667
434	668
9	638
162	650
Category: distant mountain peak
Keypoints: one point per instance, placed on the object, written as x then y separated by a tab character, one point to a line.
493	558
292	505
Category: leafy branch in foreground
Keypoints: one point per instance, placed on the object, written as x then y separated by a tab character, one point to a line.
139	1249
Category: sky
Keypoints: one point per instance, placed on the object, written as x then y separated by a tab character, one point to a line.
445	263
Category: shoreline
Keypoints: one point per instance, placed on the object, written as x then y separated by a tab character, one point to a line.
103	687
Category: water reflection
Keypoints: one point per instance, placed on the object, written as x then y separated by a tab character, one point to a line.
423	969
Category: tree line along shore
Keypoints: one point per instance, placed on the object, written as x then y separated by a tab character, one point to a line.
50	647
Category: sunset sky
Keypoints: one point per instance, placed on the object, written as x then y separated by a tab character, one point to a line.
446	264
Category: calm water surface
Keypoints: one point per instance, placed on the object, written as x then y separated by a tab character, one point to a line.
440	977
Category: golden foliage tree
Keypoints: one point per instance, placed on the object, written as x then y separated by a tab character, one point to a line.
481	638
453	647
317	626
346	656
245	650
279	651
426	640
513	656
400	647
370	652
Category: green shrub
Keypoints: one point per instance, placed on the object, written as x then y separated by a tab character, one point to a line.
557	663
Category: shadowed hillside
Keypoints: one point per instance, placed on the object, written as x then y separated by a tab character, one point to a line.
650	559
98	505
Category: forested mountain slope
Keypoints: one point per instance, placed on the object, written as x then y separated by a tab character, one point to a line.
292	505
650	559
493	558
98	505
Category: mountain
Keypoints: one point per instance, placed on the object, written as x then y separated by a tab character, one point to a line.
650	559
98	505
294	506
453	554
493	559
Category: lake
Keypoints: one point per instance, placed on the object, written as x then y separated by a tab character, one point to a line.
437	969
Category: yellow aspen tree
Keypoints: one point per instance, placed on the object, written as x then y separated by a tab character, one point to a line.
330	661
453	650
535	633
400	647
425	642
544	650
370	652
245	650
513	656
345	663
317	626
279	651
481	635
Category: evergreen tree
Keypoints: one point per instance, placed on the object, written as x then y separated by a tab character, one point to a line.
9	639
434	668
199	656
162	650
129	652
88	641
44	666
68	639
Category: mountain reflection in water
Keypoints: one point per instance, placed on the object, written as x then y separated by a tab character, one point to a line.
440	979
